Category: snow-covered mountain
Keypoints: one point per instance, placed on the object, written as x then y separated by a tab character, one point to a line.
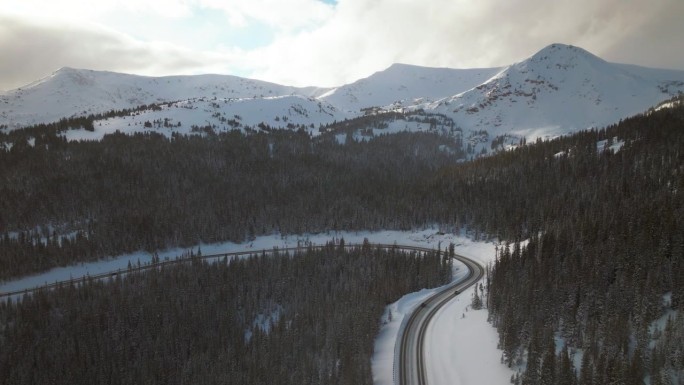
403	85
72	92
558	90
220	114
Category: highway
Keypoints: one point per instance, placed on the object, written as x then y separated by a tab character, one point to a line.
412	341
112	274
411	363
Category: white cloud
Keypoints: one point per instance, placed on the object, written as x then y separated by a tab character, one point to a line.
35	49
309	42
366	36
277	14
92	10
280	15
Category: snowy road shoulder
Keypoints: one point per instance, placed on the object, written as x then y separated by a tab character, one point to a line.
461	346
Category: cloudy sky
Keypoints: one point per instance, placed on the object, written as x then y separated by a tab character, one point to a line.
323	42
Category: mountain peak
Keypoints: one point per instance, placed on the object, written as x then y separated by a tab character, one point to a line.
563	56
66	70
559	47
396	66
560	89
402	69
75	76
70	72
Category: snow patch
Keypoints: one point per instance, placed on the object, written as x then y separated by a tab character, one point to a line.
613	145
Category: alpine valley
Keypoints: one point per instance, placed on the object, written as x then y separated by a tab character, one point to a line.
522	224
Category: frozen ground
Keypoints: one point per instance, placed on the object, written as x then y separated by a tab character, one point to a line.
461	347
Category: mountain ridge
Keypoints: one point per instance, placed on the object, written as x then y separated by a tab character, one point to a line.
557	90
81	92
400	85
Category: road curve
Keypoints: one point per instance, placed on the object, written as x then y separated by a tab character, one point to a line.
412	350
113	274
411	362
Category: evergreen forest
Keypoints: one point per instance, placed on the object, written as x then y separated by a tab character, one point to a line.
592	238
303	318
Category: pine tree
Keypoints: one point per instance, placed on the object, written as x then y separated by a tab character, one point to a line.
476	302
548	367
532	374
566	372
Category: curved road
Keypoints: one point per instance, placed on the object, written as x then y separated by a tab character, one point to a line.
411	362
412	341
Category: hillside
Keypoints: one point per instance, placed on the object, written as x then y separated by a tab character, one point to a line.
557	91
72	92
599	212
403	85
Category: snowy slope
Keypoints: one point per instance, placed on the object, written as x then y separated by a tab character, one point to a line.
560	89
73	92
557	91
221	115
405	85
